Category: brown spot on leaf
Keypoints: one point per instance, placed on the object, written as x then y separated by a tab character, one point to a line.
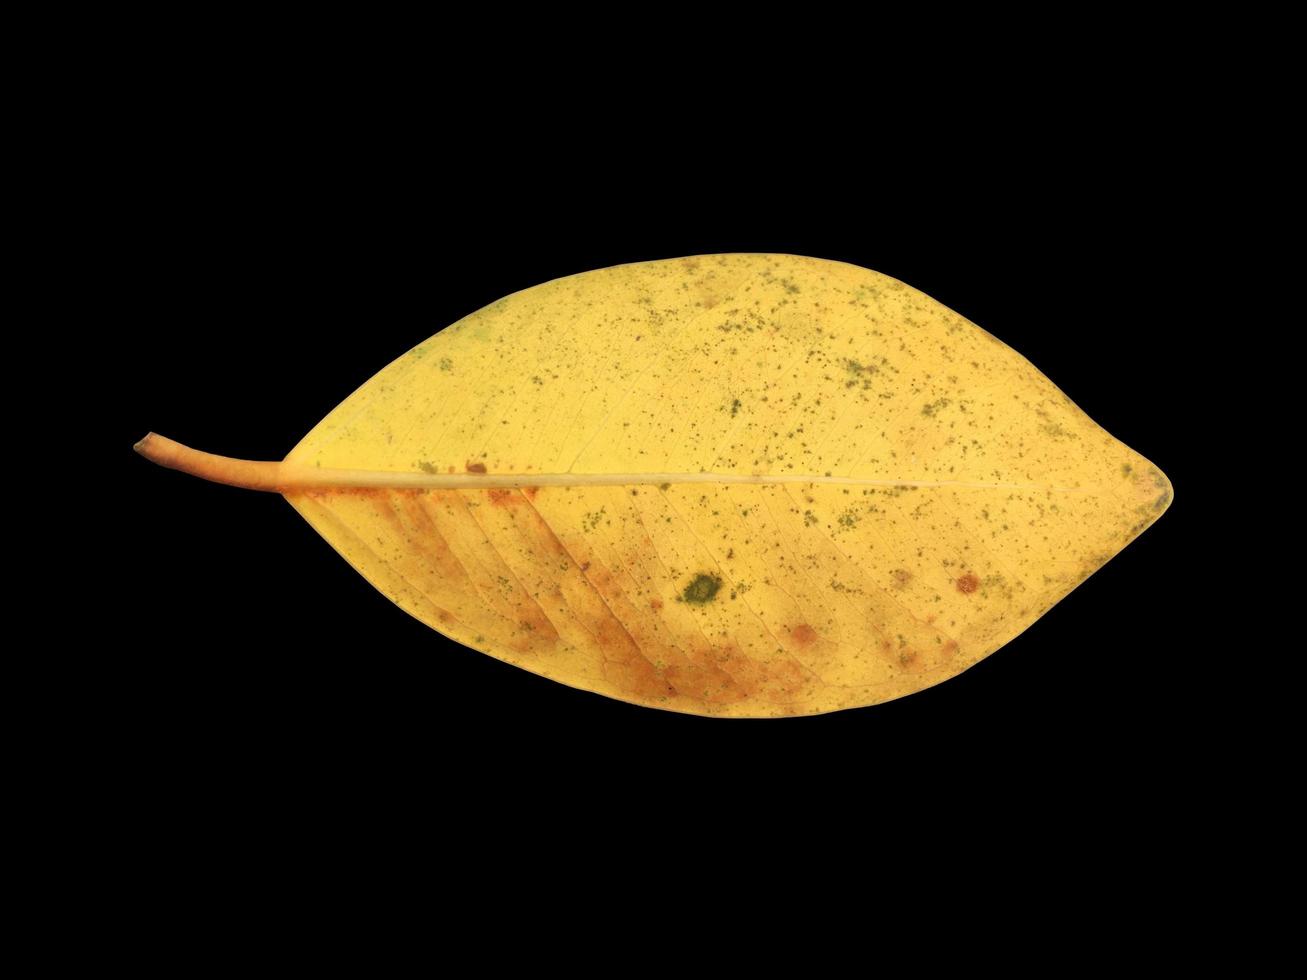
476	467
655	604
804	635
500	497
968	583
530	492
901	577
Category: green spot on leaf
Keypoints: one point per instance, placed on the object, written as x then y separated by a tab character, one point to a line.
702	589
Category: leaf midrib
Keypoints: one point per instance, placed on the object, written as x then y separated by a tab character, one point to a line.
285	476
300	475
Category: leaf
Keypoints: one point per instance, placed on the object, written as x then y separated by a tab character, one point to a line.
739	485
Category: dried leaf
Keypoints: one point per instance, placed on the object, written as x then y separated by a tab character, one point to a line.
739	485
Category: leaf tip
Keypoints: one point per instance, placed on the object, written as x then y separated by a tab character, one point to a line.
1166	493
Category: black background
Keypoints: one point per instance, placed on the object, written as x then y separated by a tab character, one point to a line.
267	263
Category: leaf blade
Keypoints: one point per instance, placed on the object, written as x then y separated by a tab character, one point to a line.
743	485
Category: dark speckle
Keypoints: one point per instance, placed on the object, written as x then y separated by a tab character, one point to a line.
702	589
476	467
968	583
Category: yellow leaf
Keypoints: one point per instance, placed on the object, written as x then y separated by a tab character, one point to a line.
738	485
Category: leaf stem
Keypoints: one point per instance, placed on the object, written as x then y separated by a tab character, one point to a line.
220	469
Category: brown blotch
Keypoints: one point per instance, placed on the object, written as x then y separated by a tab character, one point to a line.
500	497
476	467
530	492
901	577
585	566
655	604
968	583
804	635
638	678
783	681
709	683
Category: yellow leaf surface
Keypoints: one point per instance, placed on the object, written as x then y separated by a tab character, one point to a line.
736	485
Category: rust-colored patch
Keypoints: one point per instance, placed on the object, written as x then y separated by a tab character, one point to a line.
476	467
655	604
710	684
968	583
499	497
368	493
901	577
585	566
530	492
781	681
804	635
638	679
